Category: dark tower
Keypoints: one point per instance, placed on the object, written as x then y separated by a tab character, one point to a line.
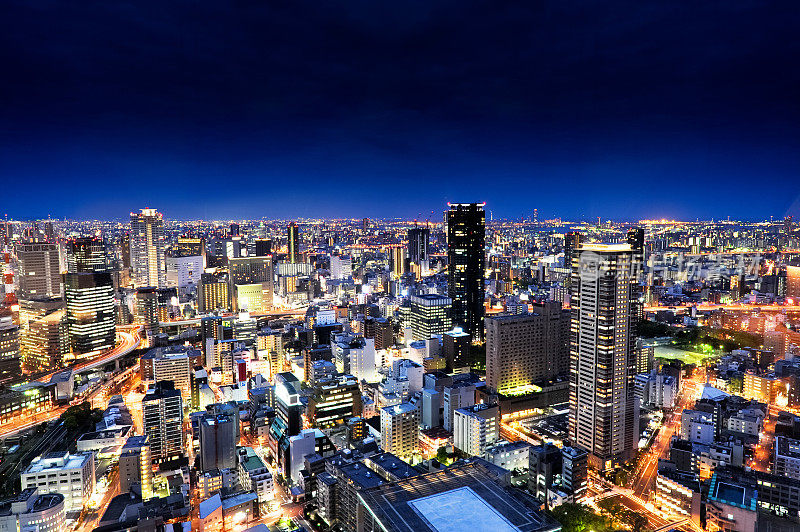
466	223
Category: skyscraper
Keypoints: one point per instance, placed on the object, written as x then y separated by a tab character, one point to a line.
162	413
603	411
147	248
293	242
90	311
218	436
39	271
466	263
86	255
418	243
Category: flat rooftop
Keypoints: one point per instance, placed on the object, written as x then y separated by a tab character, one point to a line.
463	497
444	512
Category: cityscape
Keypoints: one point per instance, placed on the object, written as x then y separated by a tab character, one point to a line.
400	267
229	375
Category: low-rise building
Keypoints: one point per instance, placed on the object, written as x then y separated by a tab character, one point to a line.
509	455
72	475
787	457
31	510
254	475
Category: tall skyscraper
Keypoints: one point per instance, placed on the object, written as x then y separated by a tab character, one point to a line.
466	264
39	271
293	242
603	411
162	412
571	241
86	255
147	248
418	244
398	261
90	311
523	348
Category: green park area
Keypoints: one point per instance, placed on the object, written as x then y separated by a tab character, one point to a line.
686	356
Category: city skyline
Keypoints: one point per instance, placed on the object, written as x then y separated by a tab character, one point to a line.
273	110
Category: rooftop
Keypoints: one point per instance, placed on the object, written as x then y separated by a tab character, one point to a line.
437	502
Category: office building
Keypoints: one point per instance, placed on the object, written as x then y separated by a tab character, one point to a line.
460	394
147	312
476	428
524	348
90	311
185	271
45	342
71	475
398	258
786	457
39	275
33	511
190	247
213	293
400	429
466	264
575	473
86	255
293	243
147	248
251	282
263	247
456	345
218	438
430	314
10	352
418	246
603	410
334	401
162	412
136	467
174	364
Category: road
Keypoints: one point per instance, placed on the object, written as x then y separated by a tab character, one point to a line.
645	473
705	307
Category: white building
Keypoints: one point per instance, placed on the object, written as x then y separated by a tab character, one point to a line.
184	272
71	475
411	370
32	511
147	248
400	429
362	361
300	446
746	423
476	428
697	426
787	457
509	455
254	475
341	267
459	395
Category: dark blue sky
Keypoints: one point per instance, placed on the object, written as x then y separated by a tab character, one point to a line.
370	108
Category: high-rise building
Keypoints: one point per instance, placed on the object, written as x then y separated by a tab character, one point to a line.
603	410
147	311
476	428
90	311
400	429
252	276
456	345
234	230
162	412
212	293
263	247
571	241
44	342
466	264
293	242
218	437
334	401
147	248
524	348
39	271
136	467
86	255
430	314
418	244
10	359
574	472
399	266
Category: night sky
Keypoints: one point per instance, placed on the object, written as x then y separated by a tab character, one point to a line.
278	109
